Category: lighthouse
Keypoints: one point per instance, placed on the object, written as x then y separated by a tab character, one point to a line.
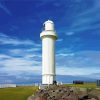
48	36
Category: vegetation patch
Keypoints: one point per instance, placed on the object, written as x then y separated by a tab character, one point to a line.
18	93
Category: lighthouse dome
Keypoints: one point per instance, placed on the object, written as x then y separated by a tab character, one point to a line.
48	25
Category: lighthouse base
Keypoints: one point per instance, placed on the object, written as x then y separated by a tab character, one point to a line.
48	79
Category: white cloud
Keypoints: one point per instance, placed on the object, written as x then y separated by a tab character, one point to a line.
16	51
68	63
65	54
20	59
64	50
69	33
26	53
94	8
5	9
6	40
86	20
96	75
2	35
34	49
33	56
2	56
76	71
78	63
20	64
60	40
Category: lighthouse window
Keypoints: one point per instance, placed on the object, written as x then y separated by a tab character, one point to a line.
43	26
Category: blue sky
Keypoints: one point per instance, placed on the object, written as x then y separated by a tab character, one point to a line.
77	23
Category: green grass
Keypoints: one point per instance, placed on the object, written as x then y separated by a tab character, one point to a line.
86	85
18	93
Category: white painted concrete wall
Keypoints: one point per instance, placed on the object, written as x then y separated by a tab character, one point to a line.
7	85
48	63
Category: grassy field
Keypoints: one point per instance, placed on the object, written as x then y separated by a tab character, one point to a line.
22	93
18	93
86	85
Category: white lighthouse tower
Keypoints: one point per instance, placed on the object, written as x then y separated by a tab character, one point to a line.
48	36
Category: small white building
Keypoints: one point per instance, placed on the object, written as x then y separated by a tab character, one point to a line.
7	85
